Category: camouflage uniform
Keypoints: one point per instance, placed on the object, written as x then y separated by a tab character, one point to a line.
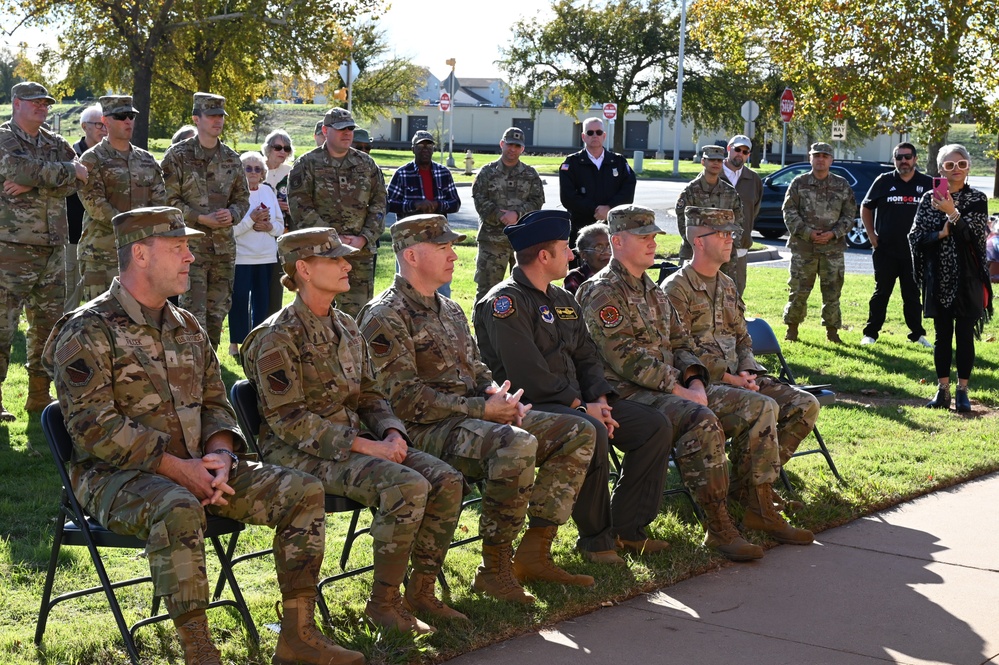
700	194
117	183
33	236
348	195
133	390
817	205
316	394
426	359
199	182
497	187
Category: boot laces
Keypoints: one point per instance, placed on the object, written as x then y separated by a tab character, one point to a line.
200	641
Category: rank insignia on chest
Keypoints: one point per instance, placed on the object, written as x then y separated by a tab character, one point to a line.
546	314
79	373
610	316
380	345
343	181
503	307
614	172
566	313
278	383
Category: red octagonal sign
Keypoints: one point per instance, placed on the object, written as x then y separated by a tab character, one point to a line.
787	105
445	101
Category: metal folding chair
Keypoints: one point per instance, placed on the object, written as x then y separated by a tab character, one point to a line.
669	491
76	528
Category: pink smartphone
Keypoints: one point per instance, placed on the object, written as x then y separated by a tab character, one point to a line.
940	188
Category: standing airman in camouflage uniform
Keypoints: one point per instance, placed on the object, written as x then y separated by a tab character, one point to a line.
427	362
323	414
340	187
38	170
710	308
205	179
648	360
122	177
156	442
503	191
819	209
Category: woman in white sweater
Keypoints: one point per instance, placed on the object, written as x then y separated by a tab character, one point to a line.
279	152
256	253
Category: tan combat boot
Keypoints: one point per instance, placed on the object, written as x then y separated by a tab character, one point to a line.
786	506
495	575
643	547
792	333
385	610
38	394
302	643
533	561
832	334
763	516
421	599
192	629
5	415
723	537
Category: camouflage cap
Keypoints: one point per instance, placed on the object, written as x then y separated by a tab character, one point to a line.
514	136
319	128
30	90
339	118
712	152
423	136
634	219
741	140
537	227
821	149
117	104
716	219
156	221
422	228
361	136
208	104
304	243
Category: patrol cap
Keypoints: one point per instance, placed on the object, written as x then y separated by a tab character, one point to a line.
30	90
339	118
716	219
155	221
361	136
304	243
712	152
821	149
422	228
111	104
208	104
514	136
537	227
740	139
634	219
422	136
319	128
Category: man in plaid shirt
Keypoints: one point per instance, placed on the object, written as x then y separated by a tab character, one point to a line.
422	186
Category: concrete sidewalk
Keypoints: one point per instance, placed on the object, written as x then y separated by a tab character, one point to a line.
915	584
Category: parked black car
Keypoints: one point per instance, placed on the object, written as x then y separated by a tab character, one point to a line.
770	222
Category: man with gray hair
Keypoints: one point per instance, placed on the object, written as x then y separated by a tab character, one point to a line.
749	185
94	130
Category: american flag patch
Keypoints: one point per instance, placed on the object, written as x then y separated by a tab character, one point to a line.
269	362
68	350
564	167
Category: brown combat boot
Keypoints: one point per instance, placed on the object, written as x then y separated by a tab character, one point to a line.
533	561
723	537
421	599
385	610
763	516
781	504
643	547
832	334
792	333
5	415
38	394
302	643
196	640
495	576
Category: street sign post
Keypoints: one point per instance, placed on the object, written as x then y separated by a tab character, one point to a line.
349	71
786	114
750	112
839	130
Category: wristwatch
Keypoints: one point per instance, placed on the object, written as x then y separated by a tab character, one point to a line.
582	407
233	457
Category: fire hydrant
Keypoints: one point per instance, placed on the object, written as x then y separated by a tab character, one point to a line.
469	162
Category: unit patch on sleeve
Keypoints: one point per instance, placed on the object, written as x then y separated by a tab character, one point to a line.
79	373
610	316
278	383
380	345
503	307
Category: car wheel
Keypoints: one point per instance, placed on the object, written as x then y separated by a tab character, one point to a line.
856	237
771	234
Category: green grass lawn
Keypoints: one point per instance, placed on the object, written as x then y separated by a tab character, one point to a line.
887	446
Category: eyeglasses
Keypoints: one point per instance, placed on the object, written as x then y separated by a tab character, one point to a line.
253	169
597	249
38	102
345	129
899	158
594	132
98	125
720	234
742	151
961	164
281	148
124	116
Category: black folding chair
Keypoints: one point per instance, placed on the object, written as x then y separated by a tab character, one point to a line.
76	528
765	343
669	491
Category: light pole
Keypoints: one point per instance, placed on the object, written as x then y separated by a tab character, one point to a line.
679	91
450	129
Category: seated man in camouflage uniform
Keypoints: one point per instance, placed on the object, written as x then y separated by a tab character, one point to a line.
426	360
323	414
708	303
632	324
154	441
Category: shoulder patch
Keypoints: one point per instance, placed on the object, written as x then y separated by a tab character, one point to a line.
564	167
68	350
79	373
278	382
610	316
566	313
380	345
269	362
503	307
546	314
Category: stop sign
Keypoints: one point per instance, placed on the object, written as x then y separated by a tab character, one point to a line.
787	105
610	110
445	101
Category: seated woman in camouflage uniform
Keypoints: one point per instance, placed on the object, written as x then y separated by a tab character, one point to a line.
323	414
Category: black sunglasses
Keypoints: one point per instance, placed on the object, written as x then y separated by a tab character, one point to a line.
592	132
904	156
124	116
281	148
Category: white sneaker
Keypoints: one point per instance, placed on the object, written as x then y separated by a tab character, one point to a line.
865	340
924	342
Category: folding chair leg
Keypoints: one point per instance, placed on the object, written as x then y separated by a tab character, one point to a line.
827	455
352	535
119	618
230	551
226	564
43	612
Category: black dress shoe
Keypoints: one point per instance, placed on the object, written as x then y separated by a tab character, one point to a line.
942	400
961	402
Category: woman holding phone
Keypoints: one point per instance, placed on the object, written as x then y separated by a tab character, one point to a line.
948	259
